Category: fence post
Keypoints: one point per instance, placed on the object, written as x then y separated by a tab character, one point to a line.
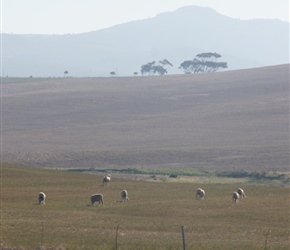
41	241
116	241
266	239
183	238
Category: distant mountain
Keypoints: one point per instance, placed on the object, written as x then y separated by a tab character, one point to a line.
176	36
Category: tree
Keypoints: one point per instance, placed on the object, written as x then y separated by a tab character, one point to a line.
203	63
147	68
151	69
159	69
112	73
65	73
135	73
187	66
204	56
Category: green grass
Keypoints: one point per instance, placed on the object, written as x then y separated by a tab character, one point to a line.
152	219
187	171
199	176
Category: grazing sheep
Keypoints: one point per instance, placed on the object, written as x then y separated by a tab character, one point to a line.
97	198
41	198
200	193
236	197
106	179
241	193
124	195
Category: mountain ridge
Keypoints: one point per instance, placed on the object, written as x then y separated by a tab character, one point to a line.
176	36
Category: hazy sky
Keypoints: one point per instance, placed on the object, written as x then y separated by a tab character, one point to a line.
78	16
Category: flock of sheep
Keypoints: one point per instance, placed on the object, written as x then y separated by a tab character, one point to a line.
239	194
200	193
94	198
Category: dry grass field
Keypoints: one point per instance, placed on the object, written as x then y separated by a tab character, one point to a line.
152	218
228	120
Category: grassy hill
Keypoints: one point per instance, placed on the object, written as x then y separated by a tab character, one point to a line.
231	121
152	219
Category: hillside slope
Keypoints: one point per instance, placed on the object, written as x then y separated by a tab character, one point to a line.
235	119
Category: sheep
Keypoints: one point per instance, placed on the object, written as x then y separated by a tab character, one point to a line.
200	193
236	197
97	198
241	193
41	198
124	196
106	179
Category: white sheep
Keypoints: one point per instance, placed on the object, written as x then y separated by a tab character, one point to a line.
200	193
106	179
41	198
235	197
241	193
97	198
124	196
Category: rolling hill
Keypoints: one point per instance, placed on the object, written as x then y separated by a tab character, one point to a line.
228	120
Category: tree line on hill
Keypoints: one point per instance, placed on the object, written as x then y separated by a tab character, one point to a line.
202	63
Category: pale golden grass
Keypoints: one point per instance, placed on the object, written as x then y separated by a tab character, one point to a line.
152	219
